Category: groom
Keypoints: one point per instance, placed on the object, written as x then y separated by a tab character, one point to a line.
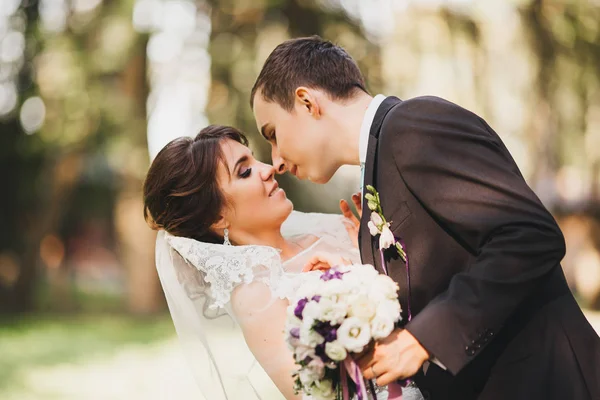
492	316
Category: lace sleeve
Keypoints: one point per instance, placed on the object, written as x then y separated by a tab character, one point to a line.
226	267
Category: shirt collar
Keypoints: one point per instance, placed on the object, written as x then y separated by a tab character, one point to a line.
365	128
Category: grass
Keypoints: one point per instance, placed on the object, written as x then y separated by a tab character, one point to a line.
43	341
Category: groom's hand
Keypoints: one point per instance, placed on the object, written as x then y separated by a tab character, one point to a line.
398	356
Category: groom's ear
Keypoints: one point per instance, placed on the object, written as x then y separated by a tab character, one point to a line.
307	101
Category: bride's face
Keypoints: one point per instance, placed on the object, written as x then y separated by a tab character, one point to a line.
255	201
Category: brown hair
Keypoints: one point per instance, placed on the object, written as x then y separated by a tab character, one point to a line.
311	62
181	191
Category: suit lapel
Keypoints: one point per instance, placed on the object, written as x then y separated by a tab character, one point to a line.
368	244
366	240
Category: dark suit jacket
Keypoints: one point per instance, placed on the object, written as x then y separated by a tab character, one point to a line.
488	295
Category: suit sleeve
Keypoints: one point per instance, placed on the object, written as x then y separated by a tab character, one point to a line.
462	174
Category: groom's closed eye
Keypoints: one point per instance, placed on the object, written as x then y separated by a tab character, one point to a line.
268	133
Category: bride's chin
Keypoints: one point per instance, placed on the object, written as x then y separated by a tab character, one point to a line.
284	212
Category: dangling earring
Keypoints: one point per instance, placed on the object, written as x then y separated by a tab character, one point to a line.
226	241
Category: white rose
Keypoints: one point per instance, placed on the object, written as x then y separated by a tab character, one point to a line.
333	312
308	376
389	309
354	334
309	337
383	288
318	367
365	271
311	311
323	390
335	351
381	327
363	308
387	238
376	219
333	288
356	278
372	228
301	352
307	289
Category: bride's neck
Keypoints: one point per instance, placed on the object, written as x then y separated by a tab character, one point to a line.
271	239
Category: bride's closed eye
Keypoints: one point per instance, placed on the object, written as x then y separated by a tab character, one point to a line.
244	173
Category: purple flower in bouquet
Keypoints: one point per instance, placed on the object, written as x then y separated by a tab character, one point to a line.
300	307
295	332
332	273
326	330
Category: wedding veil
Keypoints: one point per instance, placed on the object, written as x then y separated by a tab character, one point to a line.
198	280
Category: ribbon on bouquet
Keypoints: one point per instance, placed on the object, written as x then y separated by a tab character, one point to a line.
351	369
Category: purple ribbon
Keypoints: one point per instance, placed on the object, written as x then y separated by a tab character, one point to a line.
357	377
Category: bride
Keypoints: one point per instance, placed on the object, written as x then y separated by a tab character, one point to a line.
230	253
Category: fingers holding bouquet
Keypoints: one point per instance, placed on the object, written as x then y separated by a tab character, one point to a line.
398	356
322	261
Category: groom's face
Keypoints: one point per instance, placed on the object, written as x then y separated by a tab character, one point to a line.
297	139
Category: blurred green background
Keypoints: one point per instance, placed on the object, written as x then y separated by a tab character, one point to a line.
90	90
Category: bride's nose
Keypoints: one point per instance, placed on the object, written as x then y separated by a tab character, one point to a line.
267	171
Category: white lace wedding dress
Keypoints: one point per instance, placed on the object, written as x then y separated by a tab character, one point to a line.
226	300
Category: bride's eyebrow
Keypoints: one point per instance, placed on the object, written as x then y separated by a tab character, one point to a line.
241	160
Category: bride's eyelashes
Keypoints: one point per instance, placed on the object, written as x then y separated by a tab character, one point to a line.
244	173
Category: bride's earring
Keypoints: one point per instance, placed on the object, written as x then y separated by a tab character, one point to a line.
226	241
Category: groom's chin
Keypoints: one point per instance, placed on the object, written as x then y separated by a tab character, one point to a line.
319	179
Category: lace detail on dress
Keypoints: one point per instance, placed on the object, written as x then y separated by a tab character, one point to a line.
226	267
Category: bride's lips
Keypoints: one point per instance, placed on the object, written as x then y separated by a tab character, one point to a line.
274	189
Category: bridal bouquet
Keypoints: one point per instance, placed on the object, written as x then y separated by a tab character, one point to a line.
335	314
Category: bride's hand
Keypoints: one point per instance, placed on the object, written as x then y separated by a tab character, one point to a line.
322	261
352	223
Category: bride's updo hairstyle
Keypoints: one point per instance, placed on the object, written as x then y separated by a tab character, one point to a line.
181	191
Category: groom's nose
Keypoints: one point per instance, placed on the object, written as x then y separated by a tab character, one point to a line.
278	162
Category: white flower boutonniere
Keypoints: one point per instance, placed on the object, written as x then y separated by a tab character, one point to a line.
378	224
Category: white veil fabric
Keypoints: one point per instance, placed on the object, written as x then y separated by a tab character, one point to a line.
218	293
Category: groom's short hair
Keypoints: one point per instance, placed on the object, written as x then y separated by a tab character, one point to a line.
311	62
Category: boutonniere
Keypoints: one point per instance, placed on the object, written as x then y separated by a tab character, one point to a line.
379	226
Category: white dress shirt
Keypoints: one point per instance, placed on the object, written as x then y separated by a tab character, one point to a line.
365	129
